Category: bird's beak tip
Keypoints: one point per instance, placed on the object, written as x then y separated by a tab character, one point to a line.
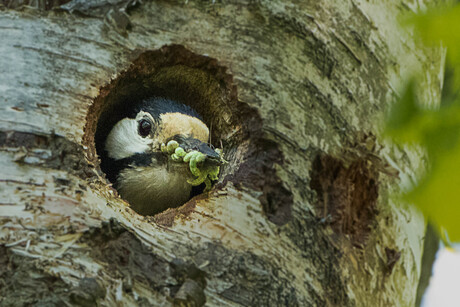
194	144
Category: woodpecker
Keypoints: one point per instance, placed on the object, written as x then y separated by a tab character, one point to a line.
133	160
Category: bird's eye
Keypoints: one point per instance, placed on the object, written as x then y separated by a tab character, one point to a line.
145	126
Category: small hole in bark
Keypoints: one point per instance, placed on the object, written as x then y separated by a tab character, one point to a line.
346	195
174	73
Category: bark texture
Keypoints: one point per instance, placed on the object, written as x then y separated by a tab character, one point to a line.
294	90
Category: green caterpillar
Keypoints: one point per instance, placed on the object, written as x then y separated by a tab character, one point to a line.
205	173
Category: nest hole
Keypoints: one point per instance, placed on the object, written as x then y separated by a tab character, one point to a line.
175	73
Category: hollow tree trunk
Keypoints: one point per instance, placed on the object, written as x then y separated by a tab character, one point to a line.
301	215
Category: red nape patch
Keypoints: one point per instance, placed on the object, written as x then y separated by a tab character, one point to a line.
346	196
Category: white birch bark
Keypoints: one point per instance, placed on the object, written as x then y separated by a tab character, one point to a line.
302	215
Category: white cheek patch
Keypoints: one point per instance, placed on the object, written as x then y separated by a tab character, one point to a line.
124	140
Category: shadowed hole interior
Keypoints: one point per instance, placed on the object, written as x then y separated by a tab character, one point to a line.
175	73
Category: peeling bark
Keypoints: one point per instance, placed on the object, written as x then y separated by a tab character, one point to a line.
301	216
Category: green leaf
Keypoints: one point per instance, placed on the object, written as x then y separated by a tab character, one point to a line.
438	131
441	26
399	122
441	131
438	195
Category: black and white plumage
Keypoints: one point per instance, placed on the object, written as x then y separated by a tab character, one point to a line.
134	163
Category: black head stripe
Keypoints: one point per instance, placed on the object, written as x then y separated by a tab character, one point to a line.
139	159
158	105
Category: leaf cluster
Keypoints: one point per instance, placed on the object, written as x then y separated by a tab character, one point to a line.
437	194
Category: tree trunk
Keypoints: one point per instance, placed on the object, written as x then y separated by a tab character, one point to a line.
294	92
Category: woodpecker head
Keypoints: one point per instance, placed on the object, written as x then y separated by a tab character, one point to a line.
142	174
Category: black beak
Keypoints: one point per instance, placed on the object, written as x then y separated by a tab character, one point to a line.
208	151
189	144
